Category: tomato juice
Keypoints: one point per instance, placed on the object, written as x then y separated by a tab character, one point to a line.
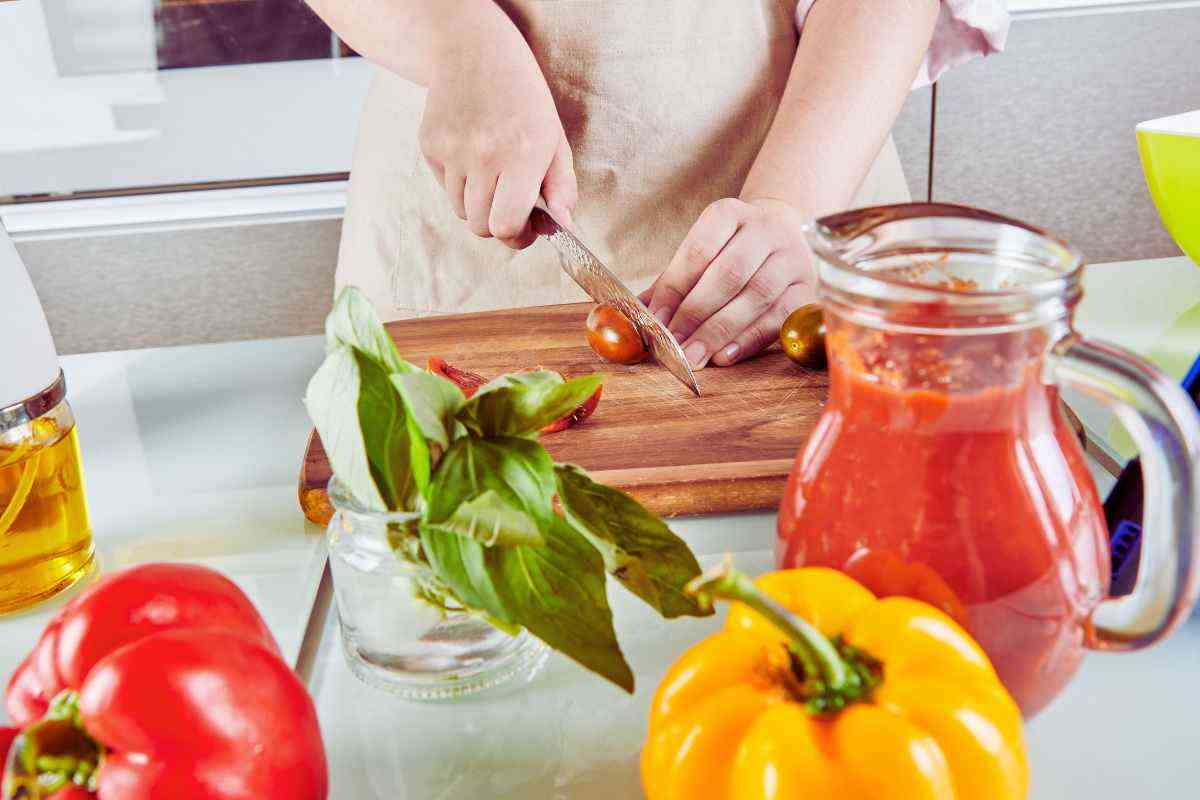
941	469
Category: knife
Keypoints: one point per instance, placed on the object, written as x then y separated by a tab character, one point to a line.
604	287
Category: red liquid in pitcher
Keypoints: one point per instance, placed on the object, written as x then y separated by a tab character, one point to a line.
976	500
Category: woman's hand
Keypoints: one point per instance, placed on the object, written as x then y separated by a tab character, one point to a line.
739	272
491	132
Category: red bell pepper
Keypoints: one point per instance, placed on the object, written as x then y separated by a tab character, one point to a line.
6	739
119	609
163	681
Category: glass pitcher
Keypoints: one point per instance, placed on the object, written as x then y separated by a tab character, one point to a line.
941	468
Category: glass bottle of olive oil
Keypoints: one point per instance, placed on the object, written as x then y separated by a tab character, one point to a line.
45	538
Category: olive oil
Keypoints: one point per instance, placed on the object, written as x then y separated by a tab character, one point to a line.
45	538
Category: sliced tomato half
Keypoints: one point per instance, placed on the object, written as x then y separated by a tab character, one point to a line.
466	380
469	382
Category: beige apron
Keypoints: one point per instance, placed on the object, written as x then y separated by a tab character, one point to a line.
665	104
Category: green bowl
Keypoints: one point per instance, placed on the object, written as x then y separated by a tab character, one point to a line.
1170	150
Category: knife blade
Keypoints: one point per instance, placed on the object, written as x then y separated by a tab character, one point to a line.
605	287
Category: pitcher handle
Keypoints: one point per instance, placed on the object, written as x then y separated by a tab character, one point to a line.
1162	421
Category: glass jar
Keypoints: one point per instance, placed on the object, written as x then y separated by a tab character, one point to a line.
940	468
398	632
45	538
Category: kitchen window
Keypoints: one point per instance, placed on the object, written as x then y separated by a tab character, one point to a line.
129	95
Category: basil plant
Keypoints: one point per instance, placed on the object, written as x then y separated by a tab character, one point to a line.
489	537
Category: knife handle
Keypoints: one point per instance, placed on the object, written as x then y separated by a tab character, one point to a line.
543	222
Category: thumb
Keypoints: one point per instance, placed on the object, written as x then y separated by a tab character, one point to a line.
559	187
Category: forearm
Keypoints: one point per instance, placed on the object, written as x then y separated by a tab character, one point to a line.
411	37
851	74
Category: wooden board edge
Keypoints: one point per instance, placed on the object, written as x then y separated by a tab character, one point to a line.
663	498
712	497
665	491
725	488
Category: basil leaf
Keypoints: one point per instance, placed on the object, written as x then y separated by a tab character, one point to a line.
432	402
522	403
556	592
491	521
396	452
332	400
461	564
638	548
354	323
517	471
420	460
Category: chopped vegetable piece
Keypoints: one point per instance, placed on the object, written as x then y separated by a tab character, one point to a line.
316	506
466	380
470	382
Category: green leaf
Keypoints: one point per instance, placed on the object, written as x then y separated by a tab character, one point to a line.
396	452
638	548
420	460
374	448
518	472
432	402
521	403
354	323
461	564
332	400
491	521
556	592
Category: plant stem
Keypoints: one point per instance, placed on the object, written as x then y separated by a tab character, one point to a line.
819	658
52	753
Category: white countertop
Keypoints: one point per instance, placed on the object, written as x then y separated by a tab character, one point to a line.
192	454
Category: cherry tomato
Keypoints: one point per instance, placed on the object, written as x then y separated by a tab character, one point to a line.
613	336
803	336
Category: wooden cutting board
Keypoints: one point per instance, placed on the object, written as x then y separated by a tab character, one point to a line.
729	450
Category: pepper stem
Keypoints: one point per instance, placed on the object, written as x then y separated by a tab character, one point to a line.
834	674
51	754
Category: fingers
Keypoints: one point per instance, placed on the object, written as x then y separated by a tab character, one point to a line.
499	206
560	187
715	227
454	182
765	286
647	294
477	198
515	195
764	331
438	170
726	276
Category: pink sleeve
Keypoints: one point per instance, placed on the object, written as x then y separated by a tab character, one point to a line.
965	29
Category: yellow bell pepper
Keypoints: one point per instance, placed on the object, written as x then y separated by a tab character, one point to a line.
817	689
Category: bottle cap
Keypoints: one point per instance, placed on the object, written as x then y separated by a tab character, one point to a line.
28	360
